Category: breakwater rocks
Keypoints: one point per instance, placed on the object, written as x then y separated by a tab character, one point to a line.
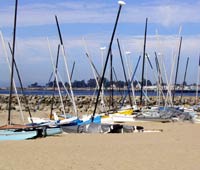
85	104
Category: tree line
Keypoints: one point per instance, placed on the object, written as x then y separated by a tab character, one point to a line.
91	83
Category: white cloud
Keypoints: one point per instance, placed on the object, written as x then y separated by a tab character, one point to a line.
33	54
81	12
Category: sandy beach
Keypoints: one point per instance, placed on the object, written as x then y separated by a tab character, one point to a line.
175	145
176	148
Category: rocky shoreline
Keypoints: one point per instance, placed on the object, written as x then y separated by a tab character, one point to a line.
85	104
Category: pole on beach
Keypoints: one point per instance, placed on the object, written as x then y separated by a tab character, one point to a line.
143	63
12	64
121	3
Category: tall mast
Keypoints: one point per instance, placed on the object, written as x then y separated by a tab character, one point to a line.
111	78
66	66
160	79
127	53
177	67
132	78
124	71
9	66
12	64
21	85
56	78
197	85
54	81
144	53
102	92
72	71
115	75
93	67
186	67
121	3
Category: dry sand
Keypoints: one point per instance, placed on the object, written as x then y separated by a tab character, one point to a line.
177	148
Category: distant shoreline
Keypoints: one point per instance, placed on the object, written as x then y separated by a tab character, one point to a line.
89	89
93	89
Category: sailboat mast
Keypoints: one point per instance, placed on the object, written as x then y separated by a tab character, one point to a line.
66	66
160	80
144	53
56	78
12	64
197	85
177	67
127	53
93	66
21	85
124	72
115	75
59	32
121	3
132	78
72	72
9	66
184	78
54	81
111	78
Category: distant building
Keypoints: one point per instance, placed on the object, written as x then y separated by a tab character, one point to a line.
35	85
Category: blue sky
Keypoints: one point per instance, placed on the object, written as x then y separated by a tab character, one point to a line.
94	20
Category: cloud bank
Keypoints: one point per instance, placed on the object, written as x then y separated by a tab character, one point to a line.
164	13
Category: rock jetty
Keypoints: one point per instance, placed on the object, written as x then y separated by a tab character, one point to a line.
85	104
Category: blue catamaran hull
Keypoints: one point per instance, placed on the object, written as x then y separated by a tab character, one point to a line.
80	126
53	131
17	135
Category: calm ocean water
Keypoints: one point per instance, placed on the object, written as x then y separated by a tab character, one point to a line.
92	92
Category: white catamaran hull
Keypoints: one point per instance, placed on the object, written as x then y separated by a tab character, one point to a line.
118	118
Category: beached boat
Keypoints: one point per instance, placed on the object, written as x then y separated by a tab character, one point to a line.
17	132
126	110
51	131
196	119
45	126
143	118
102	128
17	135
82	123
